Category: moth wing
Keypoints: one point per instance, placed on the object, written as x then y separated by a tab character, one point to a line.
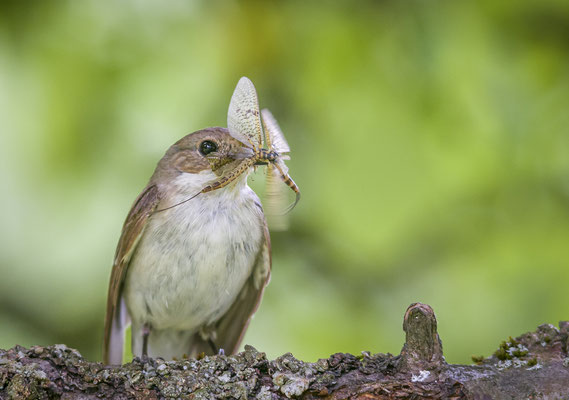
243	119
276	198
274	135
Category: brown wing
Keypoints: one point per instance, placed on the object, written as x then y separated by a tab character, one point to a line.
230	328
132	231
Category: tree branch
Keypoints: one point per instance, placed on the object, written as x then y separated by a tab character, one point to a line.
534	365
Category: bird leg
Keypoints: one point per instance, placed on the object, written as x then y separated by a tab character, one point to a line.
145	333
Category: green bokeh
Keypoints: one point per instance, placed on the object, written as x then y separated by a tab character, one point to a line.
430	140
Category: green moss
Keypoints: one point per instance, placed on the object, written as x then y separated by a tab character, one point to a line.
502	355
478	359
510	349
532	362
502	352
519	353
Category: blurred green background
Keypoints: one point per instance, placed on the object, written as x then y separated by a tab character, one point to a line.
430	140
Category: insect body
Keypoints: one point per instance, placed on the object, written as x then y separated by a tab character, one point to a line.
270	156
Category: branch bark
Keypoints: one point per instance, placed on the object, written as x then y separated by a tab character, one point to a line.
534	365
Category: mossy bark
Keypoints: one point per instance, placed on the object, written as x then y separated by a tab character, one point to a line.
534	365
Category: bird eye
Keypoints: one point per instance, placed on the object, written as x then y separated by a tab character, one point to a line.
207	146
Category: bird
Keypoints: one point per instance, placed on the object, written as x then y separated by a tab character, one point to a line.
194	255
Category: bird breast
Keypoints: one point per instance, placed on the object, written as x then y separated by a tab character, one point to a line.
193	260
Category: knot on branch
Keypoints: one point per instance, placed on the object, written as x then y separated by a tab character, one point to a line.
423	349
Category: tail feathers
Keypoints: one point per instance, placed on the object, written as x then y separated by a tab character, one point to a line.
114	352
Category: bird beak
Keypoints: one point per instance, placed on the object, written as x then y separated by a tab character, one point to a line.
218	160
241	153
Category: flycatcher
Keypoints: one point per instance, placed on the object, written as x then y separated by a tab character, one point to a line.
194	255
